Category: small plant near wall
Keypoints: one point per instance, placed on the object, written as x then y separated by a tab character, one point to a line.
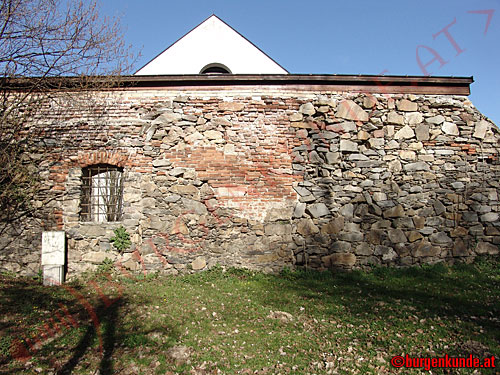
121	240
105	267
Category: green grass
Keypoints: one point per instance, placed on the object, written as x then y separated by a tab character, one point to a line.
342	323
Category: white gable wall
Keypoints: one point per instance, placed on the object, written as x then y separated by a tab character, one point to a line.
212	42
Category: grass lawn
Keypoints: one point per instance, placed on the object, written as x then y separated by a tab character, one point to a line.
242	322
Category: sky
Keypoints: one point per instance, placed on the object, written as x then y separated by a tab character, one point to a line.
340	37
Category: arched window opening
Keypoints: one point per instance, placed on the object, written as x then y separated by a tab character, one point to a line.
102	193
215	68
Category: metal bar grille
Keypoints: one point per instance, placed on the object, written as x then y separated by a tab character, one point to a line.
102	192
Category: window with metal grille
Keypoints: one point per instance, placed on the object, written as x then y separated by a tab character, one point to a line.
102	193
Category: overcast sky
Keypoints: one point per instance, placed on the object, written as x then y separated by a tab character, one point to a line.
341	37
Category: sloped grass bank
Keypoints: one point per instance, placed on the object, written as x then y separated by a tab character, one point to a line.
238	321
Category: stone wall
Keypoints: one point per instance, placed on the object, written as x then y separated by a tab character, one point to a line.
268	178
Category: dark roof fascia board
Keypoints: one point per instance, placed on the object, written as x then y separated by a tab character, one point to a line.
316	78
373	83
382	84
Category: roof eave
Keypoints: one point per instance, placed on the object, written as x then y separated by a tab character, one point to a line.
381	84
357	83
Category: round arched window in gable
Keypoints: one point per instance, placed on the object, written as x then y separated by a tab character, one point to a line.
215	68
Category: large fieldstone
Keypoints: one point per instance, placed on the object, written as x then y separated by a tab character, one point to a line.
395	166
422	132
416	167
130	264
378	196
192	138
179	227
299	210
317	210
406	105
213	135
303	192
425	249
364	249
460	248
199	263
193	206
279	229
450	128
407	155
480	129
397	211
296	116
332	157
376	142
374	236
307	109
340	246
459	232
348	126
436	120
369	101
306	227
186	190
394	118
277	214
414	118
440	238
490	216
339	259
363	135
176	172
439	207
97	257
334	226
348	146
349	110
158	163
405	132
396	236
486	248
347	211
414	236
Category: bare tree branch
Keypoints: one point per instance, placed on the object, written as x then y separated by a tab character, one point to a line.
42	42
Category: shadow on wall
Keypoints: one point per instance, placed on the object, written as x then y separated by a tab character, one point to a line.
378	191
384	179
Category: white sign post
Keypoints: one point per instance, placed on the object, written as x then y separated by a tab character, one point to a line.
53	257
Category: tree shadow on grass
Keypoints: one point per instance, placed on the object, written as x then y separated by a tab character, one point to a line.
55	316
104	329
430	289
465	294
26	296
56	306
23	304
112	332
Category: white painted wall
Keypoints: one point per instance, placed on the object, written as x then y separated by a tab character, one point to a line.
212	42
